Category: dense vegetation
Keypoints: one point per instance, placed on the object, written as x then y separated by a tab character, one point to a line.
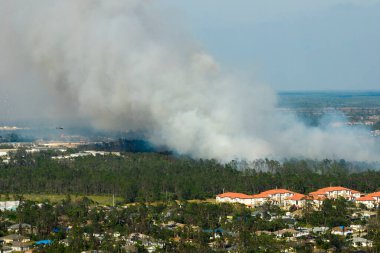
196	227
149	177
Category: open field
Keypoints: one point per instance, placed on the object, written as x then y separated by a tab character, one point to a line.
101	199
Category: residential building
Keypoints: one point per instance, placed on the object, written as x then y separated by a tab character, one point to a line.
21	246
298	200
376	196
9	205
368	201
341	230
14	238
234	197
334	192
274	196
361	242
259	199
20	228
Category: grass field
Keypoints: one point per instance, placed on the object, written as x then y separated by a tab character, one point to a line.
101	199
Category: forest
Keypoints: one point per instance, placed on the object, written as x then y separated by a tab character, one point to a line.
150	176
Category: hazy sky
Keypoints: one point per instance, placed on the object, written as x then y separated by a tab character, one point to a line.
126	66
291	44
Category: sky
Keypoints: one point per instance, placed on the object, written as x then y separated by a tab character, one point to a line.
168	74
290	44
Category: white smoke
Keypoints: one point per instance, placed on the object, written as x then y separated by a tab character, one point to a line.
122	65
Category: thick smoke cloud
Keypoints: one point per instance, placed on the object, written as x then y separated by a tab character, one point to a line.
122	65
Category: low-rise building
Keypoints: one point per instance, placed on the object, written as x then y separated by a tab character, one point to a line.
278	196
341	230
14	238
20	227
234	197
319	230
368	201
9	205
358	242
298	200
334	192
21	246
376	196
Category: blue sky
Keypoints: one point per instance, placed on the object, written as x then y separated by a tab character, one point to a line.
291	44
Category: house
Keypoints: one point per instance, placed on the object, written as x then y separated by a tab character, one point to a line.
376	196
278	196
6	249
341	230
357	227
361	242
234	197
288	232
259	199
6	152
14	238
368	201
315	200
20	227
319	230
298	200
21	246
264	232
274	196
334	192
9	205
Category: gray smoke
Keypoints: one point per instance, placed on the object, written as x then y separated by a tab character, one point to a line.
121	65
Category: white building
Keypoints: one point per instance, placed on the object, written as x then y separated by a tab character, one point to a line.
335	192
343	231
298	200
358	242
368	201
376	196
9	205
234	197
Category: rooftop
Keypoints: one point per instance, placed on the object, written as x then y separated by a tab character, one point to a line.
366	198
234	195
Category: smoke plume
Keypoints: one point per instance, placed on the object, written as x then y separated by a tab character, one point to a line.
123	65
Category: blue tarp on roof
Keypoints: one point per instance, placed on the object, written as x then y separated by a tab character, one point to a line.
43	242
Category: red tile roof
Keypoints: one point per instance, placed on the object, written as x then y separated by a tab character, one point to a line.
297	196
316	197
365	198
265	194
260	196
276	191
316	193
234	195
374	194
325	190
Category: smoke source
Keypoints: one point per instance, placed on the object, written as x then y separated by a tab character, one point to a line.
120	65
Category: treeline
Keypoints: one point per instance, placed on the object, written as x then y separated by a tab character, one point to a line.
150	177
